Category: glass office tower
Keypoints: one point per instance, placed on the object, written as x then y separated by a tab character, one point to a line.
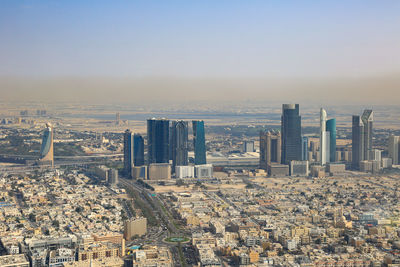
199	142
138	150
291	133
331	128
158	141
128	152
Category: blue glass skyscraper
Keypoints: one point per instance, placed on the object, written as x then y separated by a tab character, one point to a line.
158	141
128	152
199	142
291	133
331	128
138	150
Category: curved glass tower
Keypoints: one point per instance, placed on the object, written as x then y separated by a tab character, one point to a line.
46	150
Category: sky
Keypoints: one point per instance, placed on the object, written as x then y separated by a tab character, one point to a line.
200	49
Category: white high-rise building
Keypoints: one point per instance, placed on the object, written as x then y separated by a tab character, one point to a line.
324	139
184	171
393	148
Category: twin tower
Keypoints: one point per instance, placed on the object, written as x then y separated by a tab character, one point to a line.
289	145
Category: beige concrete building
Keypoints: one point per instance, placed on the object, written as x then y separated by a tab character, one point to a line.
336	168
276	169
106	262
14	261
153	256
139	172
159	171
318	171
270	149
98	250
135	226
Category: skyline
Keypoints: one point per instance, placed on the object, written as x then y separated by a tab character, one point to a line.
183	51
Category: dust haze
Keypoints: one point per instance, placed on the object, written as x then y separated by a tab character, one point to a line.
383	89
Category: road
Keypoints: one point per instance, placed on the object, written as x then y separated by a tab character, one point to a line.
153	201
164	219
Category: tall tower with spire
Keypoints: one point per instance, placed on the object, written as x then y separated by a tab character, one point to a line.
324	139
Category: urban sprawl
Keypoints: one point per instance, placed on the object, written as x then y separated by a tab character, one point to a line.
186	195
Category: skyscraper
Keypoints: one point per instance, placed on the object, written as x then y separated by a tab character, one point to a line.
331	128
362	137
158	141
367	119
394	149
199	142
304	148
324	139
46	150
179	143
357	137
270	149
291	133
138	150
128	152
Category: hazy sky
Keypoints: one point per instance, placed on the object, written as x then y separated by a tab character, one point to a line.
195	43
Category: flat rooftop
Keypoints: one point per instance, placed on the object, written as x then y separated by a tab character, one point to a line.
11	260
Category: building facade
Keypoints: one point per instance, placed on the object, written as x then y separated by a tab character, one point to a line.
138	150
199	143
304	148
331	128
361	138
179	143
203	171
299	168
291	133
323	139
159	171
357	137
270	149
135	226
47	150
184	171
248	146
367	119
128	152
158	141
